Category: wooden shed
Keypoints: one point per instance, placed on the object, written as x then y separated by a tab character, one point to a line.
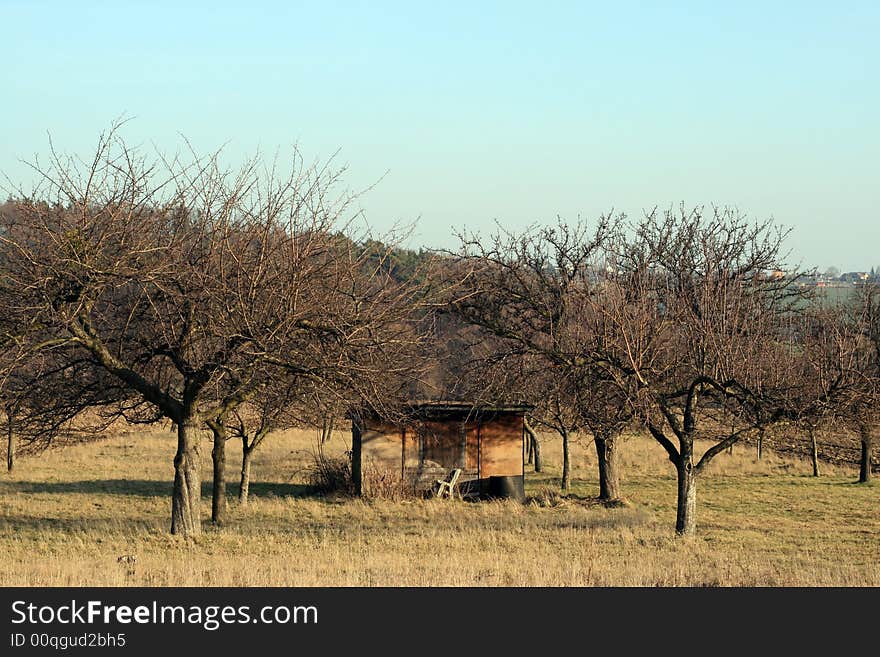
485	442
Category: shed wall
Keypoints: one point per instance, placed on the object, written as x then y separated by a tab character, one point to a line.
491	447
501	447
381	448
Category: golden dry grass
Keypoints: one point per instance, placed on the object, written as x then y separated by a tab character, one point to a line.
66	516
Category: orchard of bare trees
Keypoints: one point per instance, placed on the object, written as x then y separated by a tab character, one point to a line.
143	288
157	289
674	324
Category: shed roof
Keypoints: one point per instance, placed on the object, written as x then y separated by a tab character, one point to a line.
433	409
447	406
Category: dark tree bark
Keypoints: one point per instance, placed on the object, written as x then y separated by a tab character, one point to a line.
249	445
245	484
218	488
187	495
10	444
356	464
609	472
867	440
686	511
566	461
534	447
814	452
686	470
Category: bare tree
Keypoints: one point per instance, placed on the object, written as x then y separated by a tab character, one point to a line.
820	379
533	296
534	447
557	407
674	320
281	402
270	409
173	279
697	338
370	349
865	411
607	411
42	407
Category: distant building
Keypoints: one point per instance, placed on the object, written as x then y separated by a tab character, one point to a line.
771	275
855	277
808	280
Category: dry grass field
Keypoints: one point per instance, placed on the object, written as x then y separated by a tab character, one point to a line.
69	514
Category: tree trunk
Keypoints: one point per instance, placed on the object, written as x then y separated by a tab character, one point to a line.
357	473
187	496
534	446
218	488
865	461
686	513
566	462
326	428
609	473
530	452
245	484
10	444
758	444
814	453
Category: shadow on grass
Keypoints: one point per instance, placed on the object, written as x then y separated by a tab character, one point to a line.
833	480
269	489
149	488
855	483
33	525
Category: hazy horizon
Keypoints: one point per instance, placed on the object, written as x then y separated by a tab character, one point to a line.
469	115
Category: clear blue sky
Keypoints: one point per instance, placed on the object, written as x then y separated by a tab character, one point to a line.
485	111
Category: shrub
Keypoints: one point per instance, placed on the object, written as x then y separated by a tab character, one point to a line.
331	474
